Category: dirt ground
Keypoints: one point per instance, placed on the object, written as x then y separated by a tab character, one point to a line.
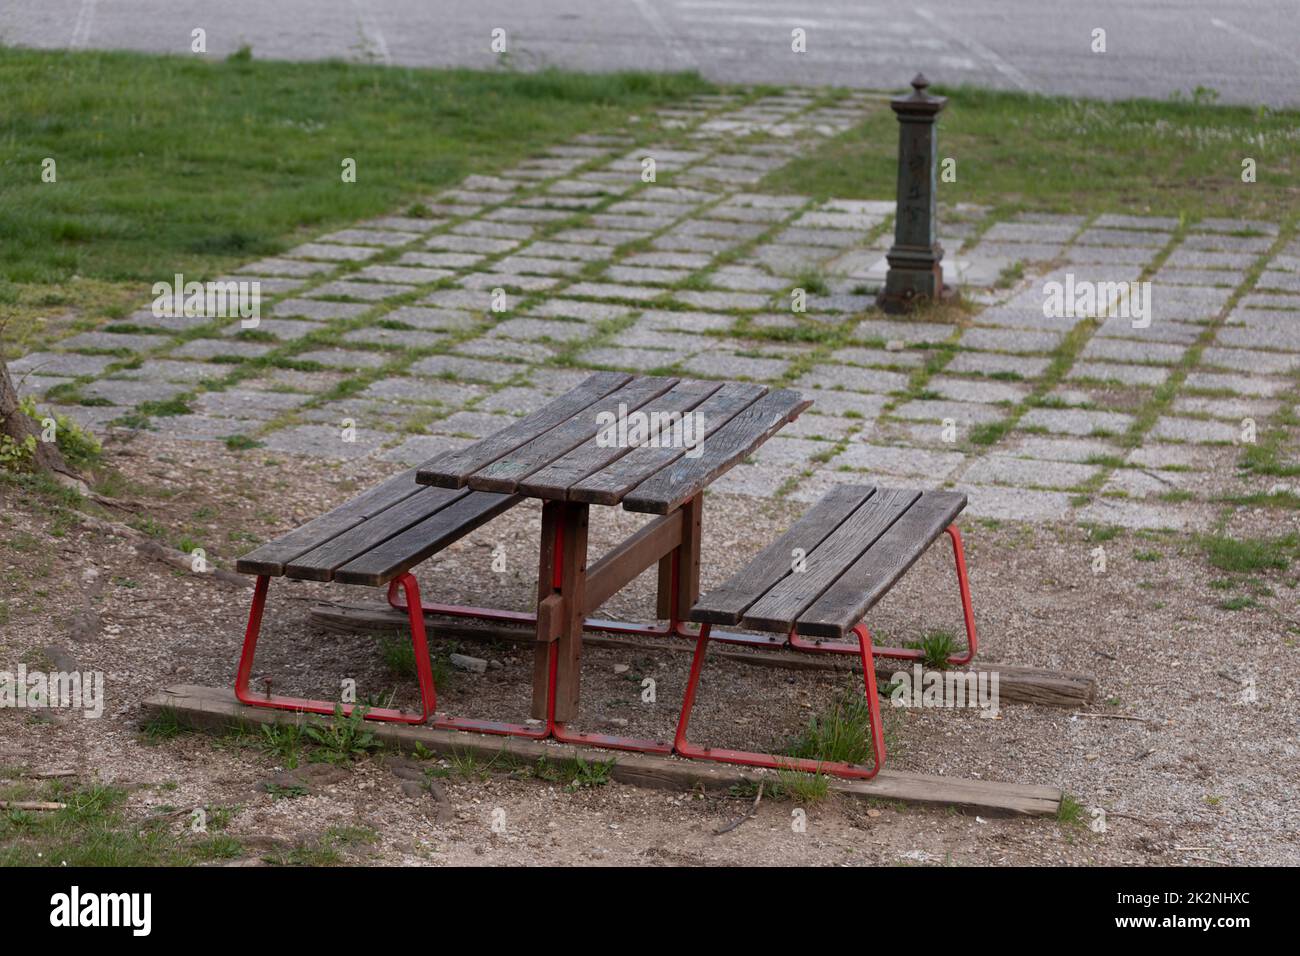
1208	774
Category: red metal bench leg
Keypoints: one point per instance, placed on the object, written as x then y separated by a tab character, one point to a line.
423	669
774	761
912	653
963	584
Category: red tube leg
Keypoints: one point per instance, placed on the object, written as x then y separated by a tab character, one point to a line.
310	706
963	585
245	669
420	642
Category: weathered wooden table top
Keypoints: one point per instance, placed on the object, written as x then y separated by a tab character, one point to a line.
649	443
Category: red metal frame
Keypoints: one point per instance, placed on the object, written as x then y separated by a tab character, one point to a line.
423	668
423	671
774	761
415	610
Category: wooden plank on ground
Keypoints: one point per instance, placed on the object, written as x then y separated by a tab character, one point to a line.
453	470
504	474
215	709
868	579
728	603
554	480
272	557
610	484
400	553
320	563
1016	684
686	477
779	608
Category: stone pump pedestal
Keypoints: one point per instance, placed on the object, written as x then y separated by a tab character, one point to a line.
915	259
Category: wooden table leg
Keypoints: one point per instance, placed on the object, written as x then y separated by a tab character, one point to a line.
562	569
675	602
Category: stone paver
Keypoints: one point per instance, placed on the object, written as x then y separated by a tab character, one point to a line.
1194	430
1028	473
1070	421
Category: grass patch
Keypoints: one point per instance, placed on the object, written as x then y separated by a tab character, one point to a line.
935	647
399	658
841	733
990	433
324	850
801	787
1243	555
345	739
147	147
282	742
574	773
1239	603
1166	155
1070	812
96	828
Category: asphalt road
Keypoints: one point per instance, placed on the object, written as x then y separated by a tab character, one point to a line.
1246	50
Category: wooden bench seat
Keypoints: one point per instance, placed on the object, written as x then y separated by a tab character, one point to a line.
377	536
375	539
855	545
818	580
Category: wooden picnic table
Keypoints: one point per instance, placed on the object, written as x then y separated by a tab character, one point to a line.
566	455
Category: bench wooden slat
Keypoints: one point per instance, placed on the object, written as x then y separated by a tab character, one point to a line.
399	554
554	480
611	483
687	477
271	558
504	474
779	608
319	564
454	470
728	603
866	581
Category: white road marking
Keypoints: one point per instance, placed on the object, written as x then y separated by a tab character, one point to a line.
678	49
979	49
370	32
1254	40
81	26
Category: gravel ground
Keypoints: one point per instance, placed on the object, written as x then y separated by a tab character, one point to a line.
1204	776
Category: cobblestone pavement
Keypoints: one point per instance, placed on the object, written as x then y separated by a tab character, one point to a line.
387	339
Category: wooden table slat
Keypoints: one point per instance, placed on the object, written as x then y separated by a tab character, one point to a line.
319	563
866	581
505	473
453	470
272	557
397	555
727	604
611	483
687	477
779	608
554	480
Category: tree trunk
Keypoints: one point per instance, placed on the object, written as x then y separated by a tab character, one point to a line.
15	424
